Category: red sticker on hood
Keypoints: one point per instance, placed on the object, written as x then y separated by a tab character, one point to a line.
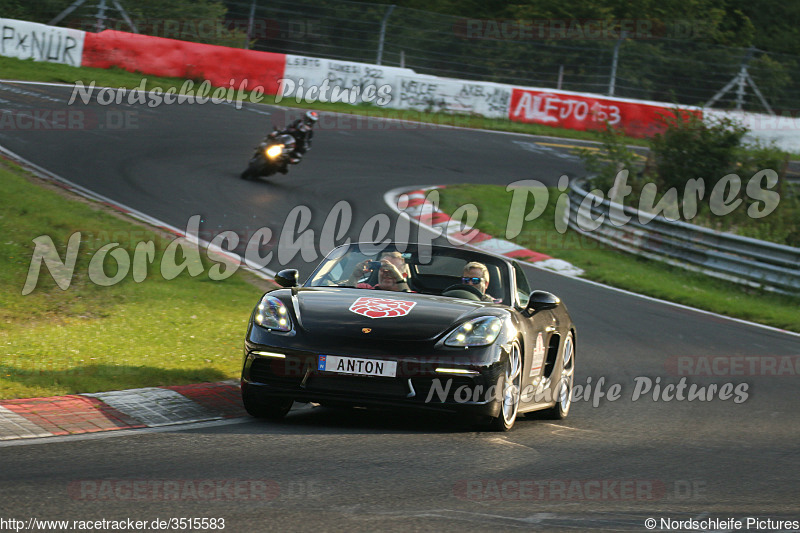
381	307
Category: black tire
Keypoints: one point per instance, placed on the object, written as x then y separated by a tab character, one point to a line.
267	408
511	384
247	174
563	390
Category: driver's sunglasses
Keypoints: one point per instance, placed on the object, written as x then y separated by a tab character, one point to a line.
471	281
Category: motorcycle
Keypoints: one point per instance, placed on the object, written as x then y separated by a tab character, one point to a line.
271	156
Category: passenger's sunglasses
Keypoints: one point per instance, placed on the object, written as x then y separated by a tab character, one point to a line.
471	281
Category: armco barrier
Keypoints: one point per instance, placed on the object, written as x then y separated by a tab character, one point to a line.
723	255
172	58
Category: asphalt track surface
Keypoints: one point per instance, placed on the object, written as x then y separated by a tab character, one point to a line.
607	467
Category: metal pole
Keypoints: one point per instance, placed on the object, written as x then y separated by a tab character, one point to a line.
402	59
739	79
250	25
560	76
743	75
101	15
75	5
758	93
613	79
125	15
740	90
383	33
722	92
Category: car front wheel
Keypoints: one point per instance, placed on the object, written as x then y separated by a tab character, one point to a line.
563	390
509	394
268	408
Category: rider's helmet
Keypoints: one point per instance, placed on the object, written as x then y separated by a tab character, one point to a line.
311	118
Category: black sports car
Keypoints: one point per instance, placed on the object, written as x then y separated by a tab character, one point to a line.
443	340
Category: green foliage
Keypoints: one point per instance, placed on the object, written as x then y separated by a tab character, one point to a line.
692	148
201	21
604	165
189	20
754	156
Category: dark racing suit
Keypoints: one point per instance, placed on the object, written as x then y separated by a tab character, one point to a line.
302	133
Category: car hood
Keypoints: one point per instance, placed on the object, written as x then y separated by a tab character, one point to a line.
345	312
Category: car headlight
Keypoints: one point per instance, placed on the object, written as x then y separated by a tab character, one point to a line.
271	313
476	332
274	151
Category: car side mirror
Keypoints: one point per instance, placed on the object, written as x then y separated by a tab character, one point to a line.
287	278
542	300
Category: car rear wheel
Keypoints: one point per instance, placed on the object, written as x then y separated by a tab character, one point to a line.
563	390
269	408
511	381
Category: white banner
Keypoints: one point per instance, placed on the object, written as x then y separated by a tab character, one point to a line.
398	88
782	129
329	80
447	95
29	40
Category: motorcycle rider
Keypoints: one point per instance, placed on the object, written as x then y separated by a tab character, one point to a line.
302	130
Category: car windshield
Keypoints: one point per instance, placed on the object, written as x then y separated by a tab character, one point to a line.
431	269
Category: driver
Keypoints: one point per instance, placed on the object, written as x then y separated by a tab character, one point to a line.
477	275
393	274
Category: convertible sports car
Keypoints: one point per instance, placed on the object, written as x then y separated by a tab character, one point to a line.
439	345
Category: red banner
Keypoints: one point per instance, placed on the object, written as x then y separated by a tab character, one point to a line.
158	56
574	112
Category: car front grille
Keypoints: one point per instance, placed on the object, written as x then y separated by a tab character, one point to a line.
358	385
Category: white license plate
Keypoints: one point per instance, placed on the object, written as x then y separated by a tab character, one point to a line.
356	366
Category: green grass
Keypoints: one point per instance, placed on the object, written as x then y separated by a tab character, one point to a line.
90	338
620	269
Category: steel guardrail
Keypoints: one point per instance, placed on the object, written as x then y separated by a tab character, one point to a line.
753	262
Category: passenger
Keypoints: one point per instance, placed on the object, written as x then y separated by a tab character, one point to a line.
393	274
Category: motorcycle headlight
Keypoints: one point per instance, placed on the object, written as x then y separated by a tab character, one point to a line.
479	331
271	313
274	151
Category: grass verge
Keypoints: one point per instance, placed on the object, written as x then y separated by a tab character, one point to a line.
92	338
620	269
